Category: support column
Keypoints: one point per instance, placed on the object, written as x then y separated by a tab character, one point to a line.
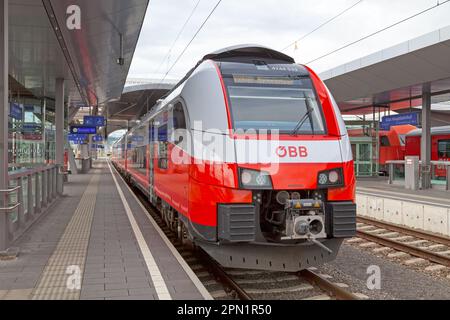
60	143
425	146
4	113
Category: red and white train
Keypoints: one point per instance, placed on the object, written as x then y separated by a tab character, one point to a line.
248	157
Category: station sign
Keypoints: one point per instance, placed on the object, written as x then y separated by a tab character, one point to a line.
78	138
399	119
97	138
16	111
83	130
94	121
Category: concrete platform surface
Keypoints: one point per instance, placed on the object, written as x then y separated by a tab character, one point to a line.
97	242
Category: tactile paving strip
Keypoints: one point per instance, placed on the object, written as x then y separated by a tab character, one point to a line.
65	267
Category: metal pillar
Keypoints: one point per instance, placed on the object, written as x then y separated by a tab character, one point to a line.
425	146
60	143
4	113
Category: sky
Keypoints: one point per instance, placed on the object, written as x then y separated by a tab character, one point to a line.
276	24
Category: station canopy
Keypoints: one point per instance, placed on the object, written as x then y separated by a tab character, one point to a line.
392	79
42	48
137	99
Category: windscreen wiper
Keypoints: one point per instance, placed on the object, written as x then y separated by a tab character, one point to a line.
309	111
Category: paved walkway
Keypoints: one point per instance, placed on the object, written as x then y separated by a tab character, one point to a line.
97	242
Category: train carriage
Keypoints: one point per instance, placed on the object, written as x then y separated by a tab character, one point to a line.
440	147
248	157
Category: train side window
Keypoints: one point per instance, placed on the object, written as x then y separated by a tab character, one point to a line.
179	123
444	148
179	119
384	141
162	147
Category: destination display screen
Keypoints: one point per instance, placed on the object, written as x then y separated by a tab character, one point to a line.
241	79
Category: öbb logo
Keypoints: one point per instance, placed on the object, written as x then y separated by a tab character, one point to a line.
292	152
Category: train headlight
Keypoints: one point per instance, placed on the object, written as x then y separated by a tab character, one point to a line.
253	179
323	179
333	177
330	178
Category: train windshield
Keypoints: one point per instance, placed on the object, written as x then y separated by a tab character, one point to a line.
287	104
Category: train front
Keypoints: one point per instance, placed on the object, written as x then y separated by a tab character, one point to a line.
293	155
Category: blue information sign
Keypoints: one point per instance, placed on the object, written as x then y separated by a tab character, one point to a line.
97	138
83	130
15	111
94	121
399	119
78	137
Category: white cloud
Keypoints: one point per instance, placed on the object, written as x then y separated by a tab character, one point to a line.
276	24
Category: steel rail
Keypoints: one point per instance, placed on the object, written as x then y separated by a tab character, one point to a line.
414	251
329	287
220	273
405	230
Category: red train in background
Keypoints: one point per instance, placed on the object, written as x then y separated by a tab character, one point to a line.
440	147
392	143
249	158
405	140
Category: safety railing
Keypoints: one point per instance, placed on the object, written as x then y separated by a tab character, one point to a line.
396	171
438	170
30	193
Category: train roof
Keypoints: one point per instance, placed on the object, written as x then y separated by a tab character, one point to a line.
434	131
247	50
243	50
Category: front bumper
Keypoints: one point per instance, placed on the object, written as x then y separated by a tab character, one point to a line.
240	223
273	257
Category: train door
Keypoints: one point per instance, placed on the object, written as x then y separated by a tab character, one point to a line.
179	156
443	154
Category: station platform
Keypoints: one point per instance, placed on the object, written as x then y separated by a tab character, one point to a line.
381	186
427	210
97	242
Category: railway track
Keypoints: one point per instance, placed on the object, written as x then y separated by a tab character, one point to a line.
305	284
424	246
249	284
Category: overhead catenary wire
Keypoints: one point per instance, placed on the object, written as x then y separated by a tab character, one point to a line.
166	57
438	4
322	25
178	35
187	46
193	38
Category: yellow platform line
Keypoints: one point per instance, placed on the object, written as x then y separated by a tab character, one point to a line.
64	270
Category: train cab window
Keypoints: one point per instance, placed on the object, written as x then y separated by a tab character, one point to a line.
287	104
384	141
402	138
444	148
179	124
